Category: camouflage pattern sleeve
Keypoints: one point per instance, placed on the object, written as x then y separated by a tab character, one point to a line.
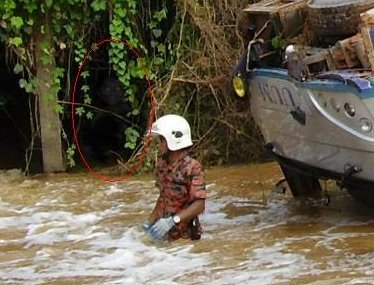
197	186
158	172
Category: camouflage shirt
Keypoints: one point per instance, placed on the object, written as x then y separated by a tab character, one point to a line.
180	184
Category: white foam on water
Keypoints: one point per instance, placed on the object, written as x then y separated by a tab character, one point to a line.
268	265
130	259
13	222
61	243
127	258
46	228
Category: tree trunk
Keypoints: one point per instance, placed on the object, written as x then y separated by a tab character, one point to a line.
50	125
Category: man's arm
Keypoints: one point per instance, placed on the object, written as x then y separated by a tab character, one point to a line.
196	208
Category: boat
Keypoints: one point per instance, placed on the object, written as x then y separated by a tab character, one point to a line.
311	91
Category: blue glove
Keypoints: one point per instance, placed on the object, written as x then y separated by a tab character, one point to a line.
159	230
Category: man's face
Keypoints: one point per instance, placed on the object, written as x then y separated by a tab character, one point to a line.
162	145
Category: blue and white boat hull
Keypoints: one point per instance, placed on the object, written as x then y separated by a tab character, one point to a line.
322	124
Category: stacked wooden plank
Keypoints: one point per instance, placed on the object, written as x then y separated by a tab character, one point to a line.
353	52
270	18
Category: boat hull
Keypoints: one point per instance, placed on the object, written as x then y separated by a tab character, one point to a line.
316	123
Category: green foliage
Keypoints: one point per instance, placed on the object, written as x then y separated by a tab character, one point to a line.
159	47
18	68
29	86
70	152
16	22
124	61
132	136
73	25
22	20
98	5
278	42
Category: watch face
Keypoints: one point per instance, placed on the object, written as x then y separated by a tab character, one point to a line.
176	219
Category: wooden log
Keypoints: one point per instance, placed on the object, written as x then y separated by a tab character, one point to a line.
366	27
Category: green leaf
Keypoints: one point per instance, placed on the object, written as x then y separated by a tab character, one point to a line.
115	60
79	111
160	15
68	29
157	33
120	12
117	23
130	145
8	5
87	99
134	43
137	72
98	5
131	137
277	42
152	25
85	88
70	152
85	74
158	60
135	112
128	32
49	3
18	68
89	115
58	72
161	48
58	109
122	65
16	22
29	88
22	83
131	97
30	6
154	44
122	72
16	41
46	59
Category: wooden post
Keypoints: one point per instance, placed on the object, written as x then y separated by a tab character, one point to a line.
50	125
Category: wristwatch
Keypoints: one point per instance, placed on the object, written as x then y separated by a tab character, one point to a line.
176	219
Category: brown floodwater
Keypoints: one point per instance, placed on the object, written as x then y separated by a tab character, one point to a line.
76	229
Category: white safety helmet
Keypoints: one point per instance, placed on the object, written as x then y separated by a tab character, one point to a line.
288	51
175	129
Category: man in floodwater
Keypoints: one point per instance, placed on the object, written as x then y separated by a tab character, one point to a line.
181	182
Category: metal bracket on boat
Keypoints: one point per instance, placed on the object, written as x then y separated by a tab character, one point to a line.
299	115
349	170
